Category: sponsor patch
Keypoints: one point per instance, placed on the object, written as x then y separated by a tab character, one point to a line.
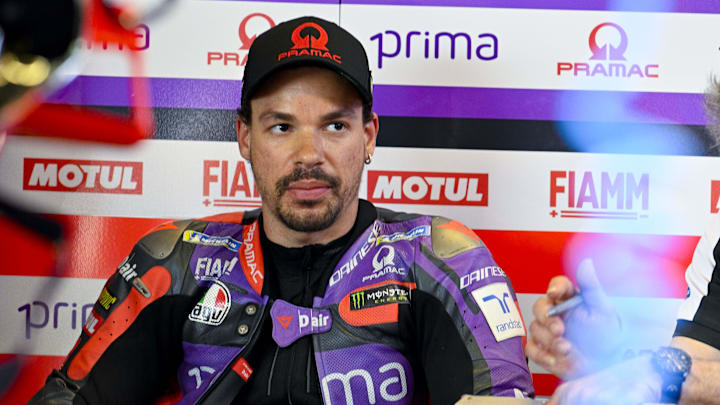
500	310
106	300
199	238
409	235
211	268
214	305
126	269
383	295
92	323
291	322
384	264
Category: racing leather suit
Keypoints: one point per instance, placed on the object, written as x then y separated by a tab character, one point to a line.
181	287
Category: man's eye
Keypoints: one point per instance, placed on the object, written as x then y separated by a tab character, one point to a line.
336	126
280	128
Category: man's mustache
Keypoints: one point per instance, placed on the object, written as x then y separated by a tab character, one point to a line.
316	173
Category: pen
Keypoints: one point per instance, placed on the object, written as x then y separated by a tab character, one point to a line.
565	306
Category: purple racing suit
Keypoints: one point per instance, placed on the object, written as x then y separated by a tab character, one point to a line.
188	303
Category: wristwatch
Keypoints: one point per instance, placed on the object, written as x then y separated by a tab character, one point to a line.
673	365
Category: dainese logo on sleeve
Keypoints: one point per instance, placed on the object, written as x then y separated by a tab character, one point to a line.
309	39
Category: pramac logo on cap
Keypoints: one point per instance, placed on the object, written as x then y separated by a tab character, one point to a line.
309	39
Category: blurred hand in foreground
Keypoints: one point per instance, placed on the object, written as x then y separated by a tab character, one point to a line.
580	340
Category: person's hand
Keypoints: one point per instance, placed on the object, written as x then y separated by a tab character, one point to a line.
579	340
631	382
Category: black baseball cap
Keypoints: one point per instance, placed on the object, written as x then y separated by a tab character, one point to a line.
307	41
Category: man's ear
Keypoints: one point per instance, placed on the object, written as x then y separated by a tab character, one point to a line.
243	137
371	129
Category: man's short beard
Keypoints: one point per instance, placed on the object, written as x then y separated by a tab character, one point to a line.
309	222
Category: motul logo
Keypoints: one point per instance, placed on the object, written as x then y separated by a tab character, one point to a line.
428	188
84	176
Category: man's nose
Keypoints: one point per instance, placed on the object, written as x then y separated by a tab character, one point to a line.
309	148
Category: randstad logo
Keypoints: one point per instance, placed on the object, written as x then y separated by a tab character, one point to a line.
309	39
608	58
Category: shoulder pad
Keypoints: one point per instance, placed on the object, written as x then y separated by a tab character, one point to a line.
450	238
160	242
389	216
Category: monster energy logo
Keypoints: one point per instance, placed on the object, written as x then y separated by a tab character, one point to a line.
357	300
372	297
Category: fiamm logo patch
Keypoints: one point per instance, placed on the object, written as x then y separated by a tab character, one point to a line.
199	238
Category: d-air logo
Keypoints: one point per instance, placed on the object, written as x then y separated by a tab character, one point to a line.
127	268
599	195
213	268
309	39
84	176
714	196
366	377
313	321
232	58
423	230
396	187
214	305
608	52
229	184
384	264
197	373
373	297
500	310
199	238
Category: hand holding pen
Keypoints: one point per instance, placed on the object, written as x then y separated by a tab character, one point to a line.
573	327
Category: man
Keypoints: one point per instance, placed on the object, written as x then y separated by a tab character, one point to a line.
318	296
686	372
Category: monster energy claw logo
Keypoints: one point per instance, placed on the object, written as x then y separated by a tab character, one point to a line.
357	300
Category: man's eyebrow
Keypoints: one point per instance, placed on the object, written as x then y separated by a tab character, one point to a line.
341	113
275	116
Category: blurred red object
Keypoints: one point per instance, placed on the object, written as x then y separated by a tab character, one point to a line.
101	23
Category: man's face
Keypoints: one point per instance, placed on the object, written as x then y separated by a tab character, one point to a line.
307	143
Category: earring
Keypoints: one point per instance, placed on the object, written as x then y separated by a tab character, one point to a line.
368	159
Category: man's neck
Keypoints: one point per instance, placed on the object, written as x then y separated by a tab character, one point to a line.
277	232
